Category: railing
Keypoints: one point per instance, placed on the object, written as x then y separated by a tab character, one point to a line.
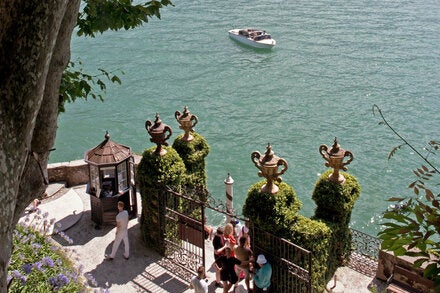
365	253
291	264
365	244
184	234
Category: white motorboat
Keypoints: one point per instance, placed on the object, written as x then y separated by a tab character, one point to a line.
253	37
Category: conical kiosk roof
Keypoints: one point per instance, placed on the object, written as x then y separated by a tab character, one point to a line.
107	153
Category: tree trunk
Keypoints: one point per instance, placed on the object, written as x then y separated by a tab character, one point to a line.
34	50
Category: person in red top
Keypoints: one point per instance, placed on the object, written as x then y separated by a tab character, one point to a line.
229	236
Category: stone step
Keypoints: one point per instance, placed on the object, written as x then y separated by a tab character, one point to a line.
396	287
54	188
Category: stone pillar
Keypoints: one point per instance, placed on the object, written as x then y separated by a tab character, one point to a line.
229	182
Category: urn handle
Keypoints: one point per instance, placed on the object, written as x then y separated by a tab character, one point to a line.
282	162
255	157
323	150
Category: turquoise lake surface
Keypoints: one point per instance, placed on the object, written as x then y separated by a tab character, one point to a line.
333	61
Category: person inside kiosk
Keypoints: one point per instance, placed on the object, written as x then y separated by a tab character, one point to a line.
106	190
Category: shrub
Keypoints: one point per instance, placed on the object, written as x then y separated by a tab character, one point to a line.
334	201
272	212
154	173
38	265
193	154
315	236
157	171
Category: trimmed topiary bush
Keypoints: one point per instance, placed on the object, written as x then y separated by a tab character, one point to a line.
153	174
334	205
193	154
340	246
272	212
315	236
157	171
326	235
335	202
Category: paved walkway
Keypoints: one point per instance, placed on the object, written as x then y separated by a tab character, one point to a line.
144	271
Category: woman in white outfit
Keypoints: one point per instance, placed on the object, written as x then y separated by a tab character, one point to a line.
121	232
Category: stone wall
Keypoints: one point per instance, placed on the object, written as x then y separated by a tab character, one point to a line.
73	172
402	270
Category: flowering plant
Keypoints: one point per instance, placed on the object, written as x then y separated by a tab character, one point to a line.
38	264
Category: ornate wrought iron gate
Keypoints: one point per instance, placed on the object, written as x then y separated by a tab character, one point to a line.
291	264
184	242
182	225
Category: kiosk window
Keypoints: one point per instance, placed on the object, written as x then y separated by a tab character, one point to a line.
122	176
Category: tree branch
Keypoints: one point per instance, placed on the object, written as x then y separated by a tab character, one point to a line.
375	107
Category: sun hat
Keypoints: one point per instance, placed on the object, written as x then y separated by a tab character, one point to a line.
261	259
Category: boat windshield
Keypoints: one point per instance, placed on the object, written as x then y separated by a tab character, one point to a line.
262	37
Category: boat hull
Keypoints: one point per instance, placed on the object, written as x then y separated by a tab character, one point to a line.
262	44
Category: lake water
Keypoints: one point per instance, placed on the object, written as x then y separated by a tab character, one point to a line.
333	61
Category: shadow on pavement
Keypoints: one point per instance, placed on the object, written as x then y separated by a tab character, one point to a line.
83	232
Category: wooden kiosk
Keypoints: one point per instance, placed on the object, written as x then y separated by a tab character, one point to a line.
111	179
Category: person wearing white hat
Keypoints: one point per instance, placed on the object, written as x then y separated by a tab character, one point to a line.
262	275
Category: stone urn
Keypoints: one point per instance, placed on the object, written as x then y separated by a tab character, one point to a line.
159	133
335	159
268	166
187	121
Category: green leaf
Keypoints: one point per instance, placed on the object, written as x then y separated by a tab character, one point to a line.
116	79
394	150
431	270
429	195
418	254
399	251
419	262
416	190
396	199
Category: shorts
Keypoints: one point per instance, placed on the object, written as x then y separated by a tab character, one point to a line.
239	269
228	276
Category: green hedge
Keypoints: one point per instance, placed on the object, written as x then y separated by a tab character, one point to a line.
335	202
326	235
193	154
315	236
153	174
157	171
272	212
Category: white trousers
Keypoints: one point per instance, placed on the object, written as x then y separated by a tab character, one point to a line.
119	237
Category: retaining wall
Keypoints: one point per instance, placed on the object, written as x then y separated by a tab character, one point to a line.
73	172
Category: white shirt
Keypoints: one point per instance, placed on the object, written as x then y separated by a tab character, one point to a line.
200	286
122	221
